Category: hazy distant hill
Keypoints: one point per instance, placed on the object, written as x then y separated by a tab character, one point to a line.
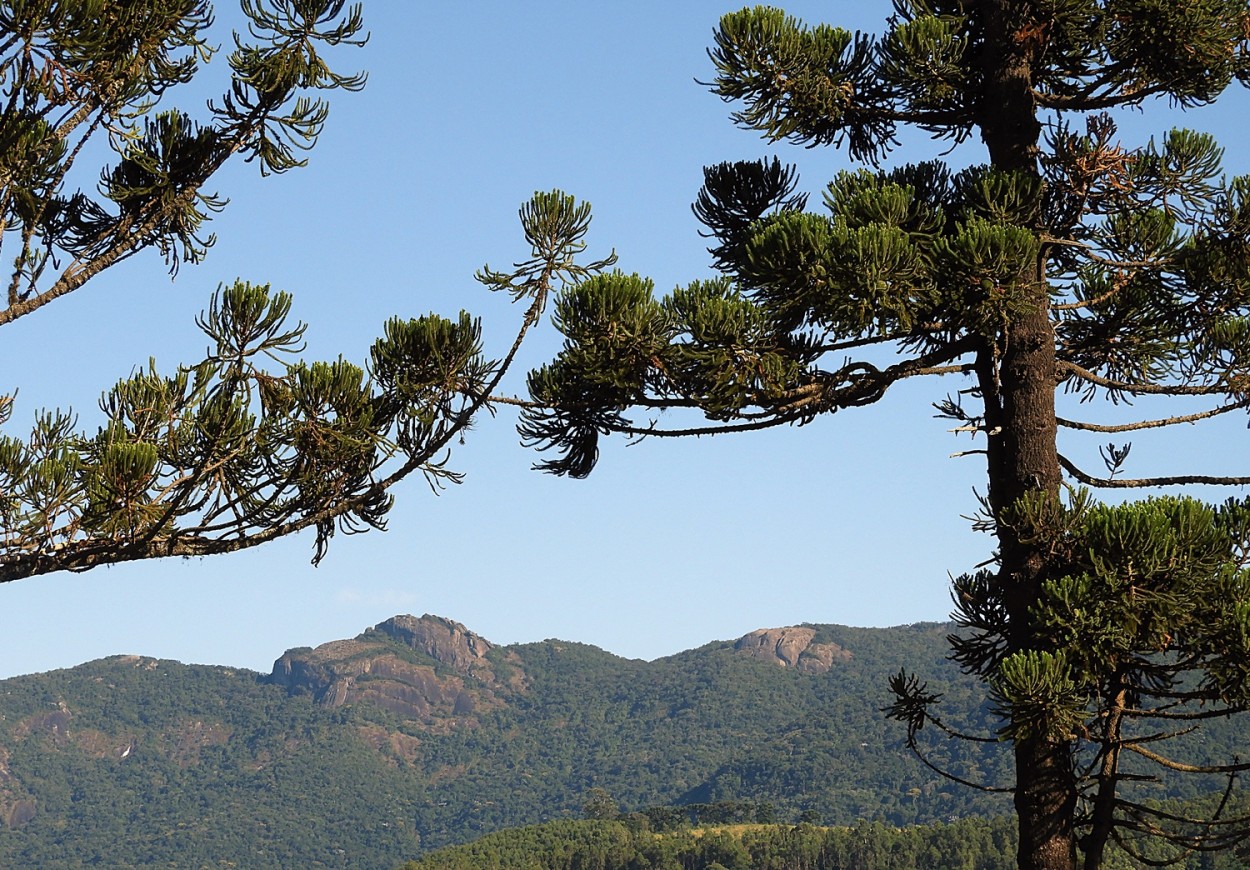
419	733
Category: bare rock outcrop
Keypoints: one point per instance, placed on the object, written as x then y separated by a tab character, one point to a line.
792	647
369	669
443	640
17	807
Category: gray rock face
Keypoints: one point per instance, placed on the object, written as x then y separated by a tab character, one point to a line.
792	647
441	639
370	669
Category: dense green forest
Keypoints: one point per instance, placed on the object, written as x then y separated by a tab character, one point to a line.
633	844
145	763
131	761
970	844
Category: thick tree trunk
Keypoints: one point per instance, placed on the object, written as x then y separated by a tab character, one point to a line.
1023	459
1024	462
1045	803
1020	416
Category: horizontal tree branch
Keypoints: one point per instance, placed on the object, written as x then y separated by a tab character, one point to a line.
1138	483
1089	102
1183	716
1071	368
915	750
1151	424
1186	768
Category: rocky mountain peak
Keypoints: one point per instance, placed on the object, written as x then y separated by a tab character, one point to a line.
792	647
370	669
443	640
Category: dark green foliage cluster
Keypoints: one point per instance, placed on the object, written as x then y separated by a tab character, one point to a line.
932	261
1140	605
822	84
224	453
72	70
1143	608
971	844
181	455
1141	639
919	257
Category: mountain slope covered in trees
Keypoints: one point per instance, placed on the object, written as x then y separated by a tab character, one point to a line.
419	734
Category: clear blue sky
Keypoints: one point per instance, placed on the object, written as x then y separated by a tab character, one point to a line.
471	107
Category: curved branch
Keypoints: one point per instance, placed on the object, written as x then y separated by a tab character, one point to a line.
233	523
1184	820
867	386
1186	768
1151	424
993	789
941	370
1084	303
86	554
1155	738
1087	102
1072	369
650	431
515	401
863	383
1196	714
1138	483
916	332
959	735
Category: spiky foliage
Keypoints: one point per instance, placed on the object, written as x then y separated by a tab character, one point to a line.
1141	635
100	74
1068	261
224	454
228	454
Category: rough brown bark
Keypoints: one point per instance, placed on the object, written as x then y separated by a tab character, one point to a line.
1045	801
1020	414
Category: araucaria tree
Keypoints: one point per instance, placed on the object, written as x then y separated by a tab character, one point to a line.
223	454
1066	263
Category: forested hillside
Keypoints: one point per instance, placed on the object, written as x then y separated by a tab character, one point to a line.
418	734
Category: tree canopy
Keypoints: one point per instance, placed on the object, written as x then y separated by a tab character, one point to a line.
1068	262
252	442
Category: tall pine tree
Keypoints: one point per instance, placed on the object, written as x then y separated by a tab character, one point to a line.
1066	262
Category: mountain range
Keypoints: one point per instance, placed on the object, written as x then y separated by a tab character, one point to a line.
419	733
